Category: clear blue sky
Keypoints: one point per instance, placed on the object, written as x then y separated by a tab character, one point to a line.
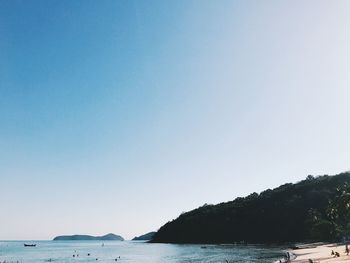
116	116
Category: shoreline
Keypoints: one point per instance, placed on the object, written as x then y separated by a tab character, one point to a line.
320	253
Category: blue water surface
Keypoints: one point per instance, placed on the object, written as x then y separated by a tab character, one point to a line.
130	252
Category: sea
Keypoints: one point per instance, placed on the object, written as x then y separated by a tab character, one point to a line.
134	251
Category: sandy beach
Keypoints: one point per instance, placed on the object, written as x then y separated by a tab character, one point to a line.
321	254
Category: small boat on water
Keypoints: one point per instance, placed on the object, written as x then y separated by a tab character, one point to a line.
30	245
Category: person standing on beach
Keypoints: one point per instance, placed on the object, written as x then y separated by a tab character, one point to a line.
287	257
347	249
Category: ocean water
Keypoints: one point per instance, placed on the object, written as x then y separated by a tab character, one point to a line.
130	252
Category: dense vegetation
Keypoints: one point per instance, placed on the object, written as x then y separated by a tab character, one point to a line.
315	209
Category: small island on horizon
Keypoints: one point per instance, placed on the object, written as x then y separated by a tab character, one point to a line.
107	237
145	237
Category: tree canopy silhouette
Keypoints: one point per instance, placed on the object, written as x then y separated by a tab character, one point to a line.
315	209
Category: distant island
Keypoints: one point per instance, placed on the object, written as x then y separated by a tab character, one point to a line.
87	237
145	237
315	209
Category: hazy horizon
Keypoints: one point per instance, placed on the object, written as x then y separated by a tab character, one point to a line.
116	116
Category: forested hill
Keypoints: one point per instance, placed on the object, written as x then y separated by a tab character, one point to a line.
314	209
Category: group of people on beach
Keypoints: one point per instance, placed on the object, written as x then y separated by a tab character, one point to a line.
336	254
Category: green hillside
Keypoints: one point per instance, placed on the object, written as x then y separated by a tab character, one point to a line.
316	208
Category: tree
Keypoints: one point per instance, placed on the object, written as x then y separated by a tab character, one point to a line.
339	209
